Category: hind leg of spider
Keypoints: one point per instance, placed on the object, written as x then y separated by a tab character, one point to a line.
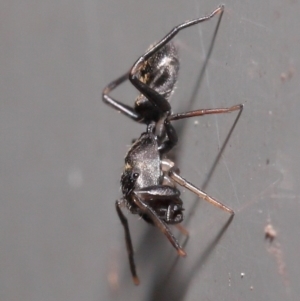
172	139
119	204
140	199
203	112
174	175
152	95
125	109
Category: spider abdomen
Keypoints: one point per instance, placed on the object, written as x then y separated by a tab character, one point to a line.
159	72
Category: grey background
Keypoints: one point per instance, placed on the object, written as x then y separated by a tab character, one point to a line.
62	151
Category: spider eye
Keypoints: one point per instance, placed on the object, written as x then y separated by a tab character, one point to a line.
135	175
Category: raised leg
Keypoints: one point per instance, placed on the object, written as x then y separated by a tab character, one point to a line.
173	173
123	219
158	100
170	36
125	109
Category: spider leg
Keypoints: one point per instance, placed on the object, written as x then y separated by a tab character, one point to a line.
159	101
140	199
125	109
172	138
162	199
204	112
119	204
174	174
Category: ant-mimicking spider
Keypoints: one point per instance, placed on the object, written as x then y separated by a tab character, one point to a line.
149	179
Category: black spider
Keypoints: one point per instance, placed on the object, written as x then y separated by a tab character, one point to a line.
149	179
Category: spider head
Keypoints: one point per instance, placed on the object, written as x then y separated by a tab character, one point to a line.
128	180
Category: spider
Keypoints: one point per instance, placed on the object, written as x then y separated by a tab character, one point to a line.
149	178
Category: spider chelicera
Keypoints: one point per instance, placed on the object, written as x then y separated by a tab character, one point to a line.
149	179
